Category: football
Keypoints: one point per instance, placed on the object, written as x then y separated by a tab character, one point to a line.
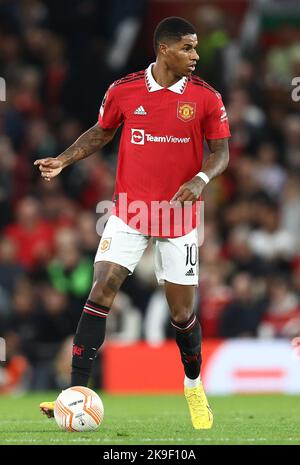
78	409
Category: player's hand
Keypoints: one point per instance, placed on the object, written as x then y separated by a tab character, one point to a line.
49	167
189	191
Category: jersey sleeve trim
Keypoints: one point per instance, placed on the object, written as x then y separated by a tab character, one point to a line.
109	95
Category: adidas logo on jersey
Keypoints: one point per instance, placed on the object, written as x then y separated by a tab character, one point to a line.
190	272
140	111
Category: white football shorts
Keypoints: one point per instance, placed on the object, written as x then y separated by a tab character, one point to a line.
175	259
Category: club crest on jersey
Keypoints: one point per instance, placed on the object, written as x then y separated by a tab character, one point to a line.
105	244
186	111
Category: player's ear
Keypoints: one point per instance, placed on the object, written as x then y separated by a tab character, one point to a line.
163	48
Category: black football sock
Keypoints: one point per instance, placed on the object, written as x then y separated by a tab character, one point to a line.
89	337
188	339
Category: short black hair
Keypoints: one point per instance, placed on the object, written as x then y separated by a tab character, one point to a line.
172	28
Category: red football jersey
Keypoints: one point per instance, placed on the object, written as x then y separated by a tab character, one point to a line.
161	145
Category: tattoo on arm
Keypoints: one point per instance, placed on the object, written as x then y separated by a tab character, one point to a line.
89	142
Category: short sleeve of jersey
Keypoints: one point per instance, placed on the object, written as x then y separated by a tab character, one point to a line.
216	122
110	114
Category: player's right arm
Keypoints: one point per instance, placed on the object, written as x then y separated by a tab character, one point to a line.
89	142
110	118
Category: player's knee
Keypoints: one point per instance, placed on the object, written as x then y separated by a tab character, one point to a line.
103	293
180	314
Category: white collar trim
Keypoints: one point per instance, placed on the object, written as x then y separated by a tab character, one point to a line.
153	86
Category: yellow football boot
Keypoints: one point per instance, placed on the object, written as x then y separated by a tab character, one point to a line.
201	414
48	408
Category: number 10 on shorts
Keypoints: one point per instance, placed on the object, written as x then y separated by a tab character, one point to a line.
191	254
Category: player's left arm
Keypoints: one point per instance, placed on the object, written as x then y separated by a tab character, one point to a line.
215	164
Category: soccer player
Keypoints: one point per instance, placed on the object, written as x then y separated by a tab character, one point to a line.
166	114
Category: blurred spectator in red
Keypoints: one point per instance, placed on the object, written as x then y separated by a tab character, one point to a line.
26	98
32	235
99	181
214	296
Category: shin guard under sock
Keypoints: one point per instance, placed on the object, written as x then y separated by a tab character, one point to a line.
188	339
89	337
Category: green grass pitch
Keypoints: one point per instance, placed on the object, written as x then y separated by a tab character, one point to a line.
158	419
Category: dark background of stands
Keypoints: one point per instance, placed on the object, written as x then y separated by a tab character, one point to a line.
57	58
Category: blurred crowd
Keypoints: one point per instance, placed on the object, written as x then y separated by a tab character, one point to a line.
57	59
